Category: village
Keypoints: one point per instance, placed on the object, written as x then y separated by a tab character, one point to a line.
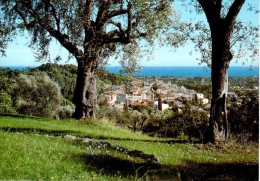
152	92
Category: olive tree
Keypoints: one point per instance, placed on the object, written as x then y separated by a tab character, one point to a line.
91	31
222	39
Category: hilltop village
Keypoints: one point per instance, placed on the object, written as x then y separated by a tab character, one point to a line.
153	92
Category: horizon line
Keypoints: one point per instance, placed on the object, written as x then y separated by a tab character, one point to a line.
141	65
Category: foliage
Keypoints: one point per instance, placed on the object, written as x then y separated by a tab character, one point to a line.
244	37
110	78
39	95
8	87
191	123
244	117
64	112
204	88
6	103
119	22
64	75
167	124
91	34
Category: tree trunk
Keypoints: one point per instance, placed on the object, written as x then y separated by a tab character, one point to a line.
218	113
221	57
85	91
221	29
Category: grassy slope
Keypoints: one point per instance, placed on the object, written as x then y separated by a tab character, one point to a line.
28	156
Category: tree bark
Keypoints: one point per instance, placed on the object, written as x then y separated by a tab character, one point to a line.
85	91
221	57
218	114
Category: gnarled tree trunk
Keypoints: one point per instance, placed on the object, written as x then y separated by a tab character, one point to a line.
85	97
221	57
221	28
218	114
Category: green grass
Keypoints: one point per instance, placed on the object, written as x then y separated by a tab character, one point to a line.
89	128
180	154
26	153
25	157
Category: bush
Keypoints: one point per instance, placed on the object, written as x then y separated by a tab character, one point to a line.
244	117
109	113
64	112
191	123
6	103
39	95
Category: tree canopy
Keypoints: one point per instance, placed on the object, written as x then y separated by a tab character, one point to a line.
244	35
75	23
90	31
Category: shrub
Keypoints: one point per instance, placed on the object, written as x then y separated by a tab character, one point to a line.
39	95
244	117
64	112
6	103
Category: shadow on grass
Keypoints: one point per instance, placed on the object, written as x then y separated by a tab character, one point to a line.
19	116
194	171
39	131
112	166
83	135
221	171
115	166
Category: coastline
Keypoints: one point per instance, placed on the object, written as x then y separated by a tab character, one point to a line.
173	71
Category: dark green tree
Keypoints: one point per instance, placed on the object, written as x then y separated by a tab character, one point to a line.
90	30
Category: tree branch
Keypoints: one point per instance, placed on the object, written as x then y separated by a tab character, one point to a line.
129	22
115	13
54	14
27	25
212	9
102	13
118	25
88	24
232	14
62	38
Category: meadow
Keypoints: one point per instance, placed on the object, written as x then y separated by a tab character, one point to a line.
45	149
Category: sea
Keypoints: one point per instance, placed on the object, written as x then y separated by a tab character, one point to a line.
175	71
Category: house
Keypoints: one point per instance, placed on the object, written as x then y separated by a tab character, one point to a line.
204	101
164	106
136	95
110	96
199	96
163	91
179	104
121	98
168	96
148	102
137	84
149	95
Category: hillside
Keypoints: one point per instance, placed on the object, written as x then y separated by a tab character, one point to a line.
37	148
65	76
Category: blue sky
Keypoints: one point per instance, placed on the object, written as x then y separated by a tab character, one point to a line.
18	54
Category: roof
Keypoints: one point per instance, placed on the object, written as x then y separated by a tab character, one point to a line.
167	95
138	92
